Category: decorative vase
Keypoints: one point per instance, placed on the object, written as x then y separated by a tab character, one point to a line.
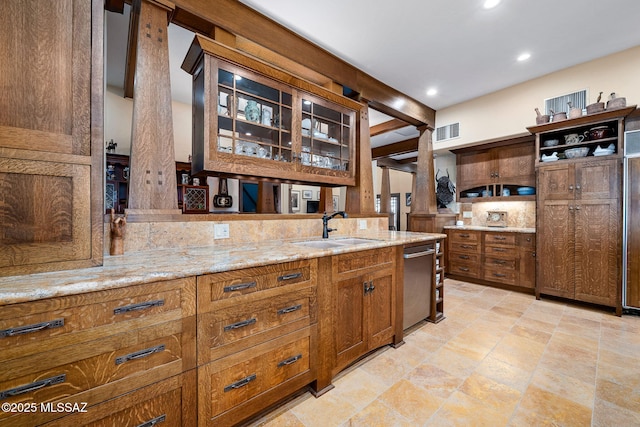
252	111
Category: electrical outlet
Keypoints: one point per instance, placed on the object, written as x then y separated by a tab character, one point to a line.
362	224
221	231
467	214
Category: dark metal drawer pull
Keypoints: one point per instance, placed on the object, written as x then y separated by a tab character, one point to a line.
289	276
466	247
33	386
499	238
154	421
463	269
239	325
138	307
499	250
499	275
31	328
243	382
139	354
465	235
290	360
240	286
464	257
290	309
499	262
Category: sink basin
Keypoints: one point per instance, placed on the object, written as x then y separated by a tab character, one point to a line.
334	243
319	244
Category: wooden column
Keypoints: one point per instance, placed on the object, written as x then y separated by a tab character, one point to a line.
152	184
360	198
266	197
326	200
423	200
385	195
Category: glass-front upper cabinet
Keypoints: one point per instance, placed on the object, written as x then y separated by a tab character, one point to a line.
251	119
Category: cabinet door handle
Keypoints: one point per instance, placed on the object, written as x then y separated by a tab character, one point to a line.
464	257
577	207
368	287
464	236
241	383
138	307
578	188
499	250
239	325
290	360
499	262
499	275
499	238
466	247
290	309
570	207
571	188
139	354
240	286
289	276
463	268
37	385
27	329
152	422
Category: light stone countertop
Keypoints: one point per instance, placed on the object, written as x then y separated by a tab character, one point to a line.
487	228
166	264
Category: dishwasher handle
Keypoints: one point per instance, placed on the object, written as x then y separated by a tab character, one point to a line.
419	254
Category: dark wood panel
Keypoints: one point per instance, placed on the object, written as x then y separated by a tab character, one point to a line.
633	234
555	274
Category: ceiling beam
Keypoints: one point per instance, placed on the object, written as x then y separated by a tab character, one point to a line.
395	165
388	126
402	147
239	19
408	160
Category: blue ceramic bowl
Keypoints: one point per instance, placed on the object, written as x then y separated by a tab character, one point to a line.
526	191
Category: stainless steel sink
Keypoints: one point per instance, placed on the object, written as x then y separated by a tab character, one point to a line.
334	243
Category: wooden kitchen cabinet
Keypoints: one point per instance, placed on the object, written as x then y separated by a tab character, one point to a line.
494	167
51	143
579	213
464	252
364	303
251	119
94	347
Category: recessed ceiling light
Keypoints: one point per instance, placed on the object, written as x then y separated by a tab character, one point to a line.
432	92
524	56
305	102
238	78
489	4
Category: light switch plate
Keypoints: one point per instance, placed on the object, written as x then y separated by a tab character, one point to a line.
221	231
362	224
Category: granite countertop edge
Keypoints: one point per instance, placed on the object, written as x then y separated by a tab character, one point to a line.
487	228
167	264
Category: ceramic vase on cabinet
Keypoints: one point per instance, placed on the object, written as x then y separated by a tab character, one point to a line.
252	111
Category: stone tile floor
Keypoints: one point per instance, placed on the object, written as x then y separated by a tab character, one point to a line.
500	358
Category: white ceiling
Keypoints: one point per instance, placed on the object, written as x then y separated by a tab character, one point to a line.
458	47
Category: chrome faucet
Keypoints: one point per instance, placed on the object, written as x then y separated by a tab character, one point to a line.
325	223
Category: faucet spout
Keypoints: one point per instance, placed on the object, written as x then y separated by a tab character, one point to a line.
325	222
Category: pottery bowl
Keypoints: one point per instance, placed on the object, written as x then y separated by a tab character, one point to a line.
573	153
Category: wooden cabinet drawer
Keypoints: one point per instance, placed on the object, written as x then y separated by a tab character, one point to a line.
503	275
170	402
462	236
466	258
464	268
500	251
97	370
356	263
236	386
239	327
39	326
499	263
507	239
230	288
465	247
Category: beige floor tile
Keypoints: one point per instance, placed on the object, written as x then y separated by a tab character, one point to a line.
453	362
411	401
531	333
619	395
541	407
422	339
464	411
607	414
586	345
377	415
434	380
497	396
286	419
358	388
504	373
473	343
536	324
518	351
620	369
327	410
569	360
387	367
564	385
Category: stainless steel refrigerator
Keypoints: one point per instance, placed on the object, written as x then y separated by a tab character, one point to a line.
631	217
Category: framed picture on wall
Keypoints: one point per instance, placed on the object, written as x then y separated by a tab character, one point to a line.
295	200
336	201
307	194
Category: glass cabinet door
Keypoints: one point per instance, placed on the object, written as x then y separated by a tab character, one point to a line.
254	119
327	135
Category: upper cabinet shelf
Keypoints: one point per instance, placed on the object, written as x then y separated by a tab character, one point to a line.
252	119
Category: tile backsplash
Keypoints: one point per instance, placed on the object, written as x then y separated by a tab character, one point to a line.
143	236
519	214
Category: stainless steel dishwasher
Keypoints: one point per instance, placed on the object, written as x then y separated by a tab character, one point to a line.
418	275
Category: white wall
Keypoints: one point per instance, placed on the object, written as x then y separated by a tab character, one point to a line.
118	116
508	112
